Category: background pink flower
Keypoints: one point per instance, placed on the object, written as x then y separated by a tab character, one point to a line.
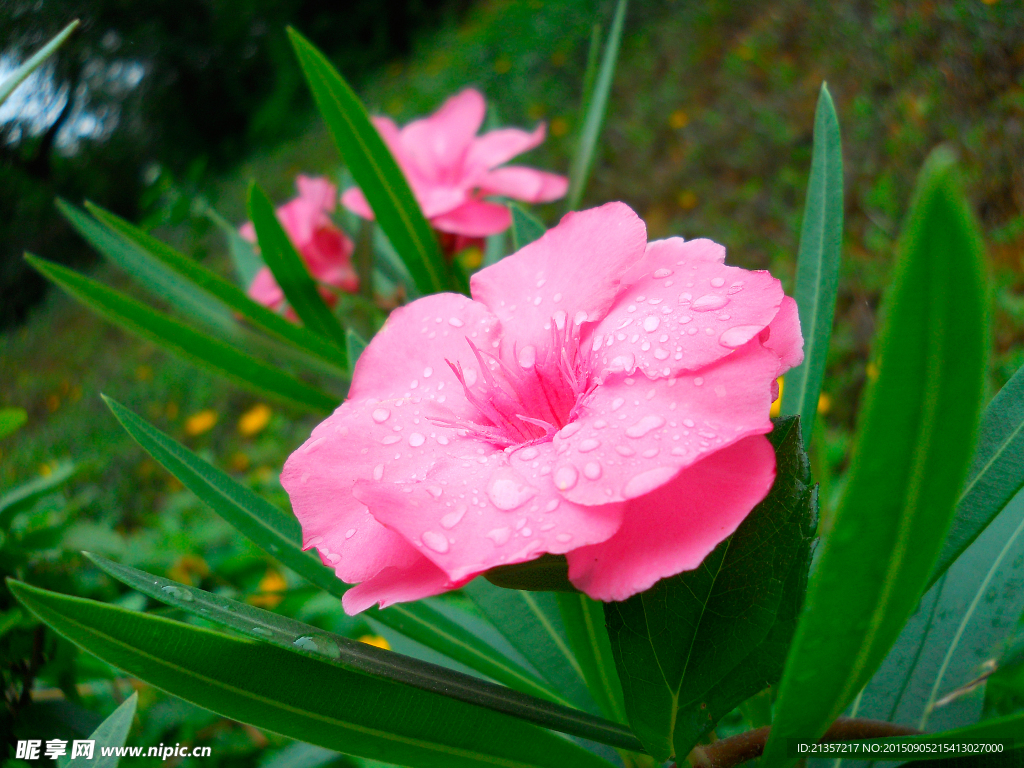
450	168
598	397
326	250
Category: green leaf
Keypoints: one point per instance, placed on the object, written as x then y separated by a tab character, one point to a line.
1008	728
260	316
942	652
21	496
246	261
496	248
244	370
298	696
112	732
525	227
355	656
997	473
817	265
374	170
290	271
584	623
597	105
914	443
354	346
676	641
532	623
8	86
279	535
11	420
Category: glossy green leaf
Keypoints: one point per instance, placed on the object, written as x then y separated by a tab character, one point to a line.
260	316
817	265
1008	728
532	623
585	628
244	259
676	641
374	170
279	535
20	496
35	61
915	439
525	227
11	420
162	329
496	248
947	647
290	271
112	732
300	696
352	655
997	473
354	346
597	105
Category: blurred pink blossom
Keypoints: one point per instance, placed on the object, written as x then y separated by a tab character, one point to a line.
326	250
599	396
451	169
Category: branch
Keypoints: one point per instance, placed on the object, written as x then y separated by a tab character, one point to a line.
746	746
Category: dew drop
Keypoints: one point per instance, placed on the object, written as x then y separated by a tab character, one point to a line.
500	535
318	644
551	506
350	533
416	439
624	450
527	357
178	593
435	491
588	445
528	454
738	335
559	317
617	403
455	322
563	537
381	415
717	282
662	272
565	477
651	323
435	541
428	372
709	302
508	491
580	317
569	429
645	425
390	439
592	471
452	519
648	481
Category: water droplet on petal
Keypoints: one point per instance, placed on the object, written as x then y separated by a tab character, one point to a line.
565	477
617	403
738	335
527	357
528	454
455	322
717	282
390	439
436	541
508	491
624	450
659	273
588	445
500	535
428	372
551	506
416	439
435	491
381	415
648	481
651	323
452	519
569	429
709	302
645	425
563	537
580	317
559	317
592	471
350	533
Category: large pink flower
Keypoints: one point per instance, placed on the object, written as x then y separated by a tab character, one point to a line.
325	249
599	397
450	168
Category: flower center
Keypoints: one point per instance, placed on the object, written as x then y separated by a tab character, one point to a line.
530	398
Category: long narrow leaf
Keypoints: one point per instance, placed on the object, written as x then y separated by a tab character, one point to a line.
35	61
20	496
586	148
259	315
112	732
817	265
291	273
525	227
244	259
350	654
584	623
279	535
11	420
246	371
374	169
299	696
914	444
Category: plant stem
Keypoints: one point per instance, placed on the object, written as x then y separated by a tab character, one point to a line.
746	746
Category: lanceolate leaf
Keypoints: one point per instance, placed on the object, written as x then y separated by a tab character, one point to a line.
350	654
20	496
817	265
944	650
374	170
279	535
246	261
915	439
525	227
299	696
112	732
35	61
585	628
586	148
11	420
354	346
162	329
996	475
291	273
260	316
676	641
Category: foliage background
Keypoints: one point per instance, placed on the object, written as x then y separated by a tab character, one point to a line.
708	134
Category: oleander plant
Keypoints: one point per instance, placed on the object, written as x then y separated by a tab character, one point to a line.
566	466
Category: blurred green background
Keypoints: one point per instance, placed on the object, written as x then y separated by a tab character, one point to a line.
708	135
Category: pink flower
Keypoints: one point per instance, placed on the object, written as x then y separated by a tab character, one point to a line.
450	168
599	397
326	250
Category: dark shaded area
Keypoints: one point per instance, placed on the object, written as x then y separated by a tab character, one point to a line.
168	89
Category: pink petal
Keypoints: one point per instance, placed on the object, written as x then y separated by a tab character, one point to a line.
785	338
320	193
673	528
495	148
567	277
328	256
353	199
437	145
475	218
247	232
525	184
682	310
397	585
265	290
633	435
476	512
